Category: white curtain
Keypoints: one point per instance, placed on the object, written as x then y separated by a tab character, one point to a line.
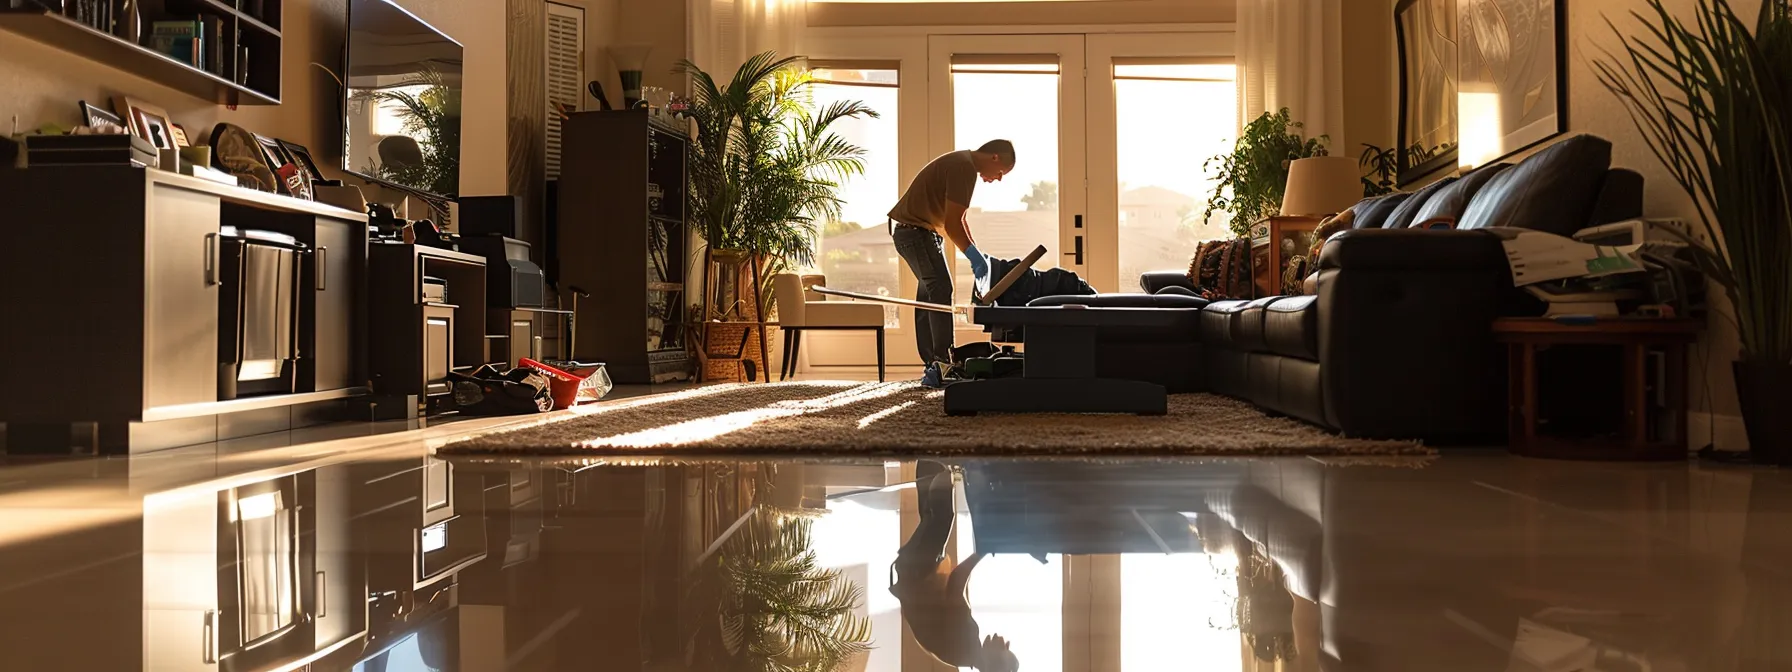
726	33
1290	54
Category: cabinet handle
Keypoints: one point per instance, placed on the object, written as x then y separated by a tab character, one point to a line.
323	596
320	268
211	259
208	638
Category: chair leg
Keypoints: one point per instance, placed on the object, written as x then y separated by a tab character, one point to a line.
789	346
880	354
796	352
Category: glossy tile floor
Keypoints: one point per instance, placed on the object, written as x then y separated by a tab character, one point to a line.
363	552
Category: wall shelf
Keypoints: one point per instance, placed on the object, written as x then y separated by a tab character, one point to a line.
76	38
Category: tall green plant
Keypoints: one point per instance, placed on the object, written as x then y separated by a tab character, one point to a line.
1714	103
432	116
1252	178
766	168
777	608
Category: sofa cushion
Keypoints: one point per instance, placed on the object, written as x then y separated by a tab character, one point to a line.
1247	325
1217	322
1372	213
1554	190
1450	202
1404	216
1291	327
1121	301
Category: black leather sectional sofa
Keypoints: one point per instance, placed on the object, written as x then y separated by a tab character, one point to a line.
1398	342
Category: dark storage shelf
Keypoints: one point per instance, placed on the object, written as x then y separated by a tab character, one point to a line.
250	21
71	36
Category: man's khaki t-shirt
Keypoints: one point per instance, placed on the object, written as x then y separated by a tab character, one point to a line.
951	177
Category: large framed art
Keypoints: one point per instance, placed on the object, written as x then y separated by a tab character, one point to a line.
1425	31
1513	94
1480	80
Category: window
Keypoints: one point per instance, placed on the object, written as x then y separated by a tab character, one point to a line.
856	253
1163	185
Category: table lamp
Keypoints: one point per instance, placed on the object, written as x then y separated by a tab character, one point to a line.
1322	185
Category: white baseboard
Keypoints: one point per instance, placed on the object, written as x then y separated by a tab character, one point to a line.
1730	433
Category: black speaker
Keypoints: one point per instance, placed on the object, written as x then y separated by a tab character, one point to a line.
490	215
512	281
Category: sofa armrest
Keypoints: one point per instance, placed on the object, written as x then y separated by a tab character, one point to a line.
1405	333
1152	281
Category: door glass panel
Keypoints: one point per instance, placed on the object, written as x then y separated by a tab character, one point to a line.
1163	187
1018	102
856	254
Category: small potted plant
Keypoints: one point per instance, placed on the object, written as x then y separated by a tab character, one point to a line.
1251	179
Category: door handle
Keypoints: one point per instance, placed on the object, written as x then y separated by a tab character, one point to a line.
320	269
211	259
208	638
323	597
1077	252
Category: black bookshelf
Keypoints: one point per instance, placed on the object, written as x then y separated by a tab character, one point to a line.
622	236
247	71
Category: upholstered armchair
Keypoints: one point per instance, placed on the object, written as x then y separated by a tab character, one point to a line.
801	310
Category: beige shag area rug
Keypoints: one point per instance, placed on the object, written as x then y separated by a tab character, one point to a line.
901	419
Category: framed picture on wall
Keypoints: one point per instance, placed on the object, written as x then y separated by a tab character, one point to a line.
1426	34
1513	88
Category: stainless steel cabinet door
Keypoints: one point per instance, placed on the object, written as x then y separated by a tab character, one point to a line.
337	255
180	347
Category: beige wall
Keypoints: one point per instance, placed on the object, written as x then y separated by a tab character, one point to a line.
1371	92
844	14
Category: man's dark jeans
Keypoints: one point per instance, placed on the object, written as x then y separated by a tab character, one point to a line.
925	252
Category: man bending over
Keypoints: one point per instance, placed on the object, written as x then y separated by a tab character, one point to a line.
931	212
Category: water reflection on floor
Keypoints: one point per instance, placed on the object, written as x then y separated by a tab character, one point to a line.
406	562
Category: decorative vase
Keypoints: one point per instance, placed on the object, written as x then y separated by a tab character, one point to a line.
631	60
1765	390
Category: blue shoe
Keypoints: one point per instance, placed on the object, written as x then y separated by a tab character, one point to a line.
932	378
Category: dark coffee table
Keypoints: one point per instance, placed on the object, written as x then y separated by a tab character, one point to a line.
1063	345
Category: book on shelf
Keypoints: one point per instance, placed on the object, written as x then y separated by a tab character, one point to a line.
214	45
182	40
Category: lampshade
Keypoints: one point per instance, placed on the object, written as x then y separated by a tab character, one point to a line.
1322	185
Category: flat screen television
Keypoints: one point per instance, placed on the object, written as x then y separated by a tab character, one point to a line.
401	123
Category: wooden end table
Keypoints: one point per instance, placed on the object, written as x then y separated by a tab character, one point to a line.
1637	337
1267	258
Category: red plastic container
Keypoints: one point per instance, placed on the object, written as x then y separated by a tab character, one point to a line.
569	387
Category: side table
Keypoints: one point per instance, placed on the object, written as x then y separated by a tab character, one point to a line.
1270	240
1637	337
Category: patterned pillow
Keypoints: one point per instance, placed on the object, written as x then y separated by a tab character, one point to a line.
1221	269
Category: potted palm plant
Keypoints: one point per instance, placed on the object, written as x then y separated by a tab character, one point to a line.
766	167
1713	101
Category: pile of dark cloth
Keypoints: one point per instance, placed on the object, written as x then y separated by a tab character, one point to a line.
1031	285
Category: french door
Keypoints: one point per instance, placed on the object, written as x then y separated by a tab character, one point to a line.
1111	133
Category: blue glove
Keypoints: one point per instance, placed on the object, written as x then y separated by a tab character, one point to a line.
979	263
